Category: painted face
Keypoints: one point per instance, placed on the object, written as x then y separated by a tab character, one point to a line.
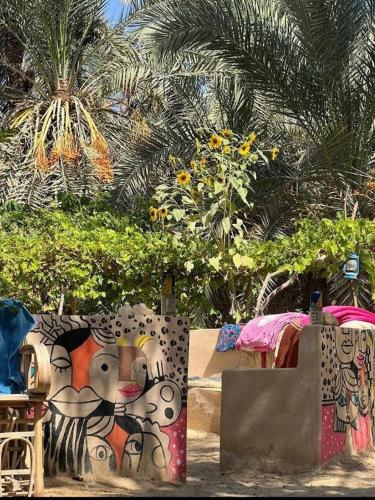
347	396
132	373
345	345
147	451
360	349
162	403
87	371
101	455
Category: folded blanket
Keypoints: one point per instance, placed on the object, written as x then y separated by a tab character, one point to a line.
15	323
350	313
261	333
287	355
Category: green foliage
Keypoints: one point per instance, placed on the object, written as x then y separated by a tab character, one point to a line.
96	257
316	246
101	259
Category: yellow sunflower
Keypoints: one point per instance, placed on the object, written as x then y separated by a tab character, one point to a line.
203	162
370	186
252	137
244	149
227	133
215	141
163	212
275	152
183	178
227	150
153	214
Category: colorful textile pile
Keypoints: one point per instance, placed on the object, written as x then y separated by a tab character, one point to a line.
261	333
227	337
280	332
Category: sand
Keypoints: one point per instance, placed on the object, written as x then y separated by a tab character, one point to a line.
353	476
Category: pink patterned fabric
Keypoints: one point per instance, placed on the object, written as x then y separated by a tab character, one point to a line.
350	313
261	333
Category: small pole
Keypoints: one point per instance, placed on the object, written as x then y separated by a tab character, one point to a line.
355	293
61	304
38	447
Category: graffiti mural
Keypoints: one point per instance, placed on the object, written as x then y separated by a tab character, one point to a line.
118	395
346	390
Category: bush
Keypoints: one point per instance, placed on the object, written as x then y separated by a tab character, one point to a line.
100	259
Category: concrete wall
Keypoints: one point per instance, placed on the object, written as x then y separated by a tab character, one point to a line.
204	361
117	403
204	402
301	416
273	414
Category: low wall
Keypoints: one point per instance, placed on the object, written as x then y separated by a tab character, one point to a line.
306	415
118	398
204	402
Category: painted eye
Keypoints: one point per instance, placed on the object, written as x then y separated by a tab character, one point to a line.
134	447
104	367
62	363
101	453
355	399
342	400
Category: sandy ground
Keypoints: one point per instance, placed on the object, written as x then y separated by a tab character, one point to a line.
345	477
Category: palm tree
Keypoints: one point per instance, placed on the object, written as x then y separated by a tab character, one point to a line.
311	63
308	65
63	93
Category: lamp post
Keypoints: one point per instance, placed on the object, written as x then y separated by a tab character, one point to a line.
351	270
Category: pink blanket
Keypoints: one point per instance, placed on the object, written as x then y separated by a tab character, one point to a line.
261	333
350	313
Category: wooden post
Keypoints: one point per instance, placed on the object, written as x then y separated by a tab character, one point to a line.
38	448
73	305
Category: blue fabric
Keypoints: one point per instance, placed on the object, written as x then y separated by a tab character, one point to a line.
227	337
15	323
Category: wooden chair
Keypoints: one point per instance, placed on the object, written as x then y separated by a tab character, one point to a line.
21	434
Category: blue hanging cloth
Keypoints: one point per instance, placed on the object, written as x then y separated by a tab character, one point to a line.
15	324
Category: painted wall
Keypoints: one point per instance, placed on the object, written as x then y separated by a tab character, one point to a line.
346	391
117	403
306	415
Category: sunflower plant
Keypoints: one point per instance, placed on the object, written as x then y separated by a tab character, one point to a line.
211	195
